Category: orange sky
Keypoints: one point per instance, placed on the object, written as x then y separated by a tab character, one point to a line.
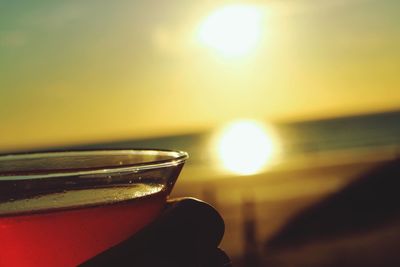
95	70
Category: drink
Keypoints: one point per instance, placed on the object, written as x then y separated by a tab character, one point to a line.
56	236
42	226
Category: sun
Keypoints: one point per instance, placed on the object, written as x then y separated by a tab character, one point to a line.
246	147
232	30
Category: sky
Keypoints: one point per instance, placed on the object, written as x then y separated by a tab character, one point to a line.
87	71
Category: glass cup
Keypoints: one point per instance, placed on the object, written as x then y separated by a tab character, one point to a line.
62	208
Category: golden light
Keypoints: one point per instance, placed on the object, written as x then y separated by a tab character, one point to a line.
232	30
246	147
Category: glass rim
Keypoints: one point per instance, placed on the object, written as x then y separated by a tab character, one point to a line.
175	157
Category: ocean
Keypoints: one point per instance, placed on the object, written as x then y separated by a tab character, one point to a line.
366	133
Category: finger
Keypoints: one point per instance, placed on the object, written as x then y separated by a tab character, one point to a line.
184	233
217	258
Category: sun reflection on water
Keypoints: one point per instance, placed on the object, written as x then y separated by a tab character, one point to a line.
246	147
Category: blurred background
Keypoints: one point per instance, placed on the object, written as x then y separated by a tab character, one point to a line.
279	103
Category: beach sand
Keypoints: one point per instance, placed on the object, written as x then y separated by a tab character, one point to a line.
256	207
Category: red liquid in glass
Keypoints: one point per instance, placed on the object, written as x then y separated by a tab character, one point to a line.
68	237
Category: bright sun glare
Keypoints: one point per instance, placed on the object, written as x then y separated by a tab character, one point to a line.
246	147
232	30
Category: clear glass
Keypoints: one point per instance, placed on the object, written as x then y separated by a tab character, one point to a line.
61	208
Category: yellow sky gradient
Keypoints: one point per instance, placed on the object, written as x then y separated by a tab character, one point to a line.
92	71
